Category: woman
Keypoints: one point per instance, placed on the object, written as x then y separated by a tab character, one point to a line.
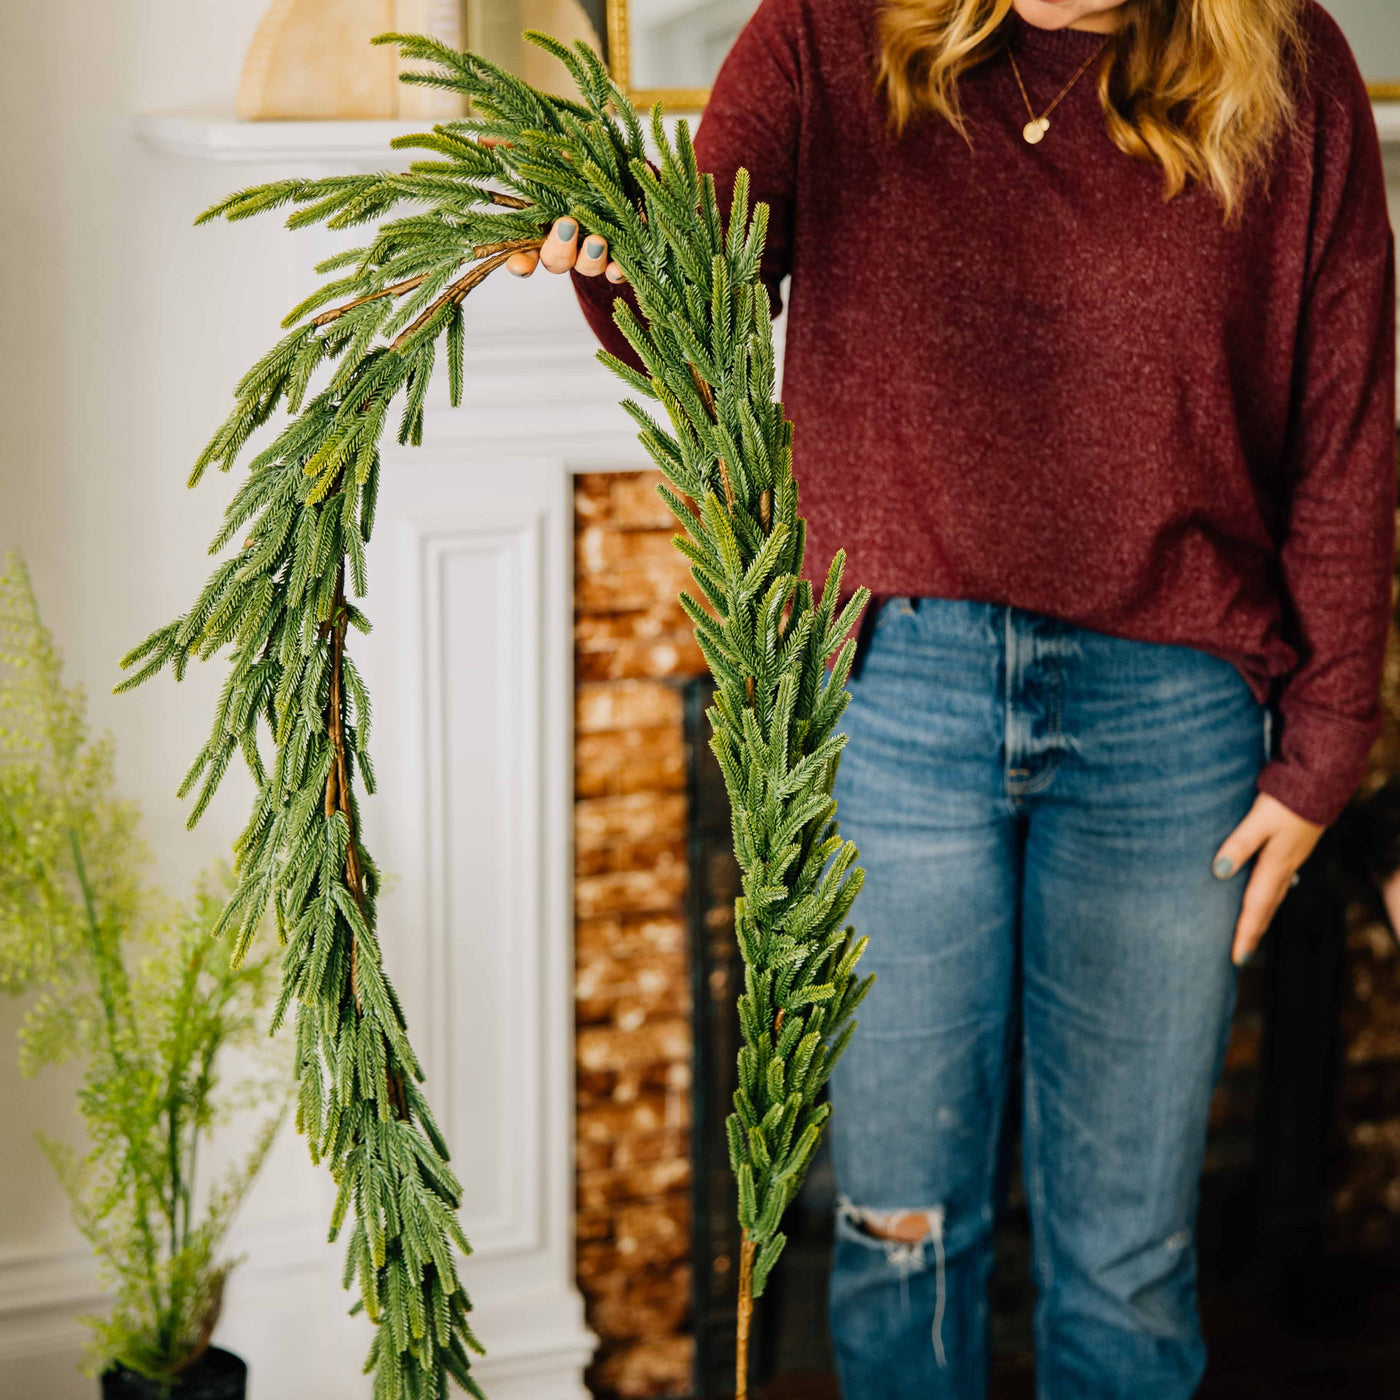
1091	356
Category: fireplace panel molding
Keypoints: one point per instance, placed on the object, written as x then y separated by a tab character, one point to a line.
469	663
481	767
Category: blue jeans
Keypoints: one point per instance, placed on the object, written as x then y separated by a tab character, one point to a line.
1037	806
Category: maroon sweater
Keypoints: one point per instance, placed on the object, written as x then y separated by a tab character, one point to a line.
1017	375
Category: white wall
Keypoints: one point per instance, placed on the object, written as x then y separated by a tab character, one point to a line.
123	330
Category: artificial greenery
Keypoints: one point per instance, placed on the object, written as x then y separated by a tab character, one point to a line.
295	708
136	992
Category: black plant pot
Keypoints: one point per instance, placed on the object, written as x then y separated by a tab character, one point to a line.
217	1375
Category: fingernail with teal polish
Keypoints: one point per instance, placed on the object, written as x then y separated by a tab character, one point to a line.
1224	867
565	229
594	247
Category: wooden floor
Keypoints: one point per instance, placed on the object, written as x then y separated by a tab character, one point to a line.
1345	1345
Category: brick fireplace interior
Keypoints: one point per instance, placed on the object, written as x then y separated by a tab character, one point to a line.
633	653
635	928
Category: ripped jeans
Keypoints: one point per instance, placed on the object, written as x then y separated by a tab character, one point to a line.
1037	806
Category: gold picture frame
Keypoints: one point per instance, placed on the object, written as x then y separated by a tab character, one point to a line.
620	66
694	99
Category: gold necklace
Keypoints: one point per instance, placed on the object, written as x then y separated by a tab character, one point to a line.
1035	129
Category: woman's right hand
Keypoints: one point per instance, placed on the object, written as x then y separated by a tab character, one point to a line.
561	252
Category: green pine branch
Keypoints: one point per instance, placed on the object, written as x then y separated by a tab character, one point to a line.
356	362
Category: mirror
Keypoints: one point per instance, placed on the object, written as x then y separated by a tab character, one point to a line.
494	28
671	49
1373	29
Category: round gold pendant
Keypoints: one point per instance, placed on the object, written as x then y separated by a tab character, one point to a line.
1035	129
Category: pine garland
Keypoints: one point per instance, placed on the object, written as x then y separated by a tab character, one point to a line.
282	607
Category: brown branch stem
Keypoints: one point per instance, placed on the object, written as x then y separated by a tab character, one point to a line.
507	245
747	1250
707	397
398	289
338	779
703	389
338	800
458	290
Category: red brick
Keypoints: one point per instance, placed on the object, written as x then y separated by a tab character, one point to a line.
642	1369
630	704
631	935
637	760
629	819
600	1188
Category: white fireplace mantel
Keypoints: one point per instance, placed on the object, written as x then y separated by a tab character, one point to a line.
1388	123
223	138
226	139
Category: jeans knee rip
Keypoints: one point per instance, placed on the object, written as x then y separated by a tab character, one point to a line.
906	1256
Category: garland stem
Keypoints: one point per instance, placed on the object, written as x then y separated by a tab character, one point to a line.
458	290
338	800
338	779
398	289
745	1317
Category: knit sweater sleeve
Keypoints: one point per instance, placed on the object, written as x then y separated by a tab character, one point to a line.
1337	548
751	120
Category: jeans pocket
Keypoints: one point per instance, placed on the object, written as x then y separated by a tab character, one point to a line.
893	609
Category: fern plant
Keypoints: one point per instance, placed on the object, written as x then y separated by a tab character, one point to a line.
359	352
136	992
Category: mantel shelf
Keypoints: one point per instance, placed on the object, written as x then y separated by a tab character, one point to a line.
226	139
1388	122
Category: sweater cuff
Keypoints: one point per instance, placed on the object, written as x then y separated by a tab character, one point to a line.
596	296
596	290
1319	761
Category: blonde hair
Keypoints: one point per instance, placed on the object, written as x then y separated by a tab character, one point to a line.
1201	87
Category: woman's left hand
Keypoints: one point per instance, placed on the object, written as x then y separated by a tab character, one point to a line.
1281	840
